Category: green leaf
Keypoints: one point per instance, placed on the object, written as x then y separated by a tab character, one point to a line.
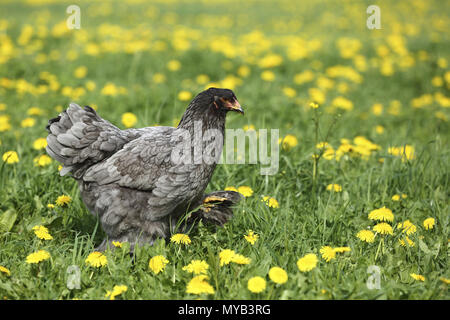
38	203
7	220
424	247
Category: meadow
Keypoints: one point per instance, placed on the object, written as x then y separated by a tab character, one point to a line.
363	175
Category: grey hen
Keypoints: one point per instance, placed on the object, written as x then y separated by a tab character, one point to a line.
139	182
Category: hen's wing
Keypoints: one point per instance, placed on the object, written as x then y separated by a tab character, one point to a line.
79	138
146	164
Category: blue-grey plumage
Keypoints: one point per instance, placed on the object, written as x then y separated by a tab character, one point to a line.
128	177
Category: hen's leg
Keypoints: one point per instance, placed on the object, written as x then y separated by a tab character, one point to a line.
216	208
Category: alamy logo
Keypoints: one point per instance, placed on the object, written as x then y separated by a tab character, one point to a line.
73	277
374	280
374	20
200	146
74	20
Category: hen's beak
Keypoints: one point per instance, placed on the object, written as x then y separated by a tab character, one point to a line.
234	106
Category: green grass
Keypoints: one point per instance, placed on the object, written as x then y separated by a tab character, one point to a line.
308	216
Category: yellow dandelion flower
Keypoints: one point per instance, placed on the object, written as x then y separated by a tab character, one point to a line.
305	76
117	290
243	71
313	105
437	81
445	280
129	119
27	122
197	267
90	85
202	79
184	95
408	241
246	191
174	65
159	78
366	235
428	223
379	129
38	256
240	259
307	263
50	206
4	124
42	161
117	244
288	142
342	249
5	270
270	202
268	75
270	60
40	143
383	228
110	89
256	284
96	259
157	264
251	237
199	285
10	157
417	277
63	200
289	92
180	238
334	187
278	275
377	109
406	152
322	145
408	227
80	72
440	115
342	103
34	111
249	127
226	256
396	197
231	189
327	253
382	214
317	95
42	233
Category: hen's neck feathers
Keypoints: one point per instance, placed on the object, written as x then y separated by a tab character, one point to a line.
209	117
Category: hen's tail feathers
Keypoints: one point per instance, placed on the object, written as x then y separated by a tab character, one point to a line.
217	207
79	138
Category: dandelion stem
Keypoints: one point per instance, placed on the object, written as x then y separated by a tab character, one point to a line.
379	247
315	159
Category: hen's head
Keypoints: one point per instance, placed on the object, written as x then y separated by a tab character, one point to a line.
213	103
220	100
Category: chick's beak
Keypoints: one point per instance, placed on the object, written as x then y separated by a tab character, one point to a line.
234	106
